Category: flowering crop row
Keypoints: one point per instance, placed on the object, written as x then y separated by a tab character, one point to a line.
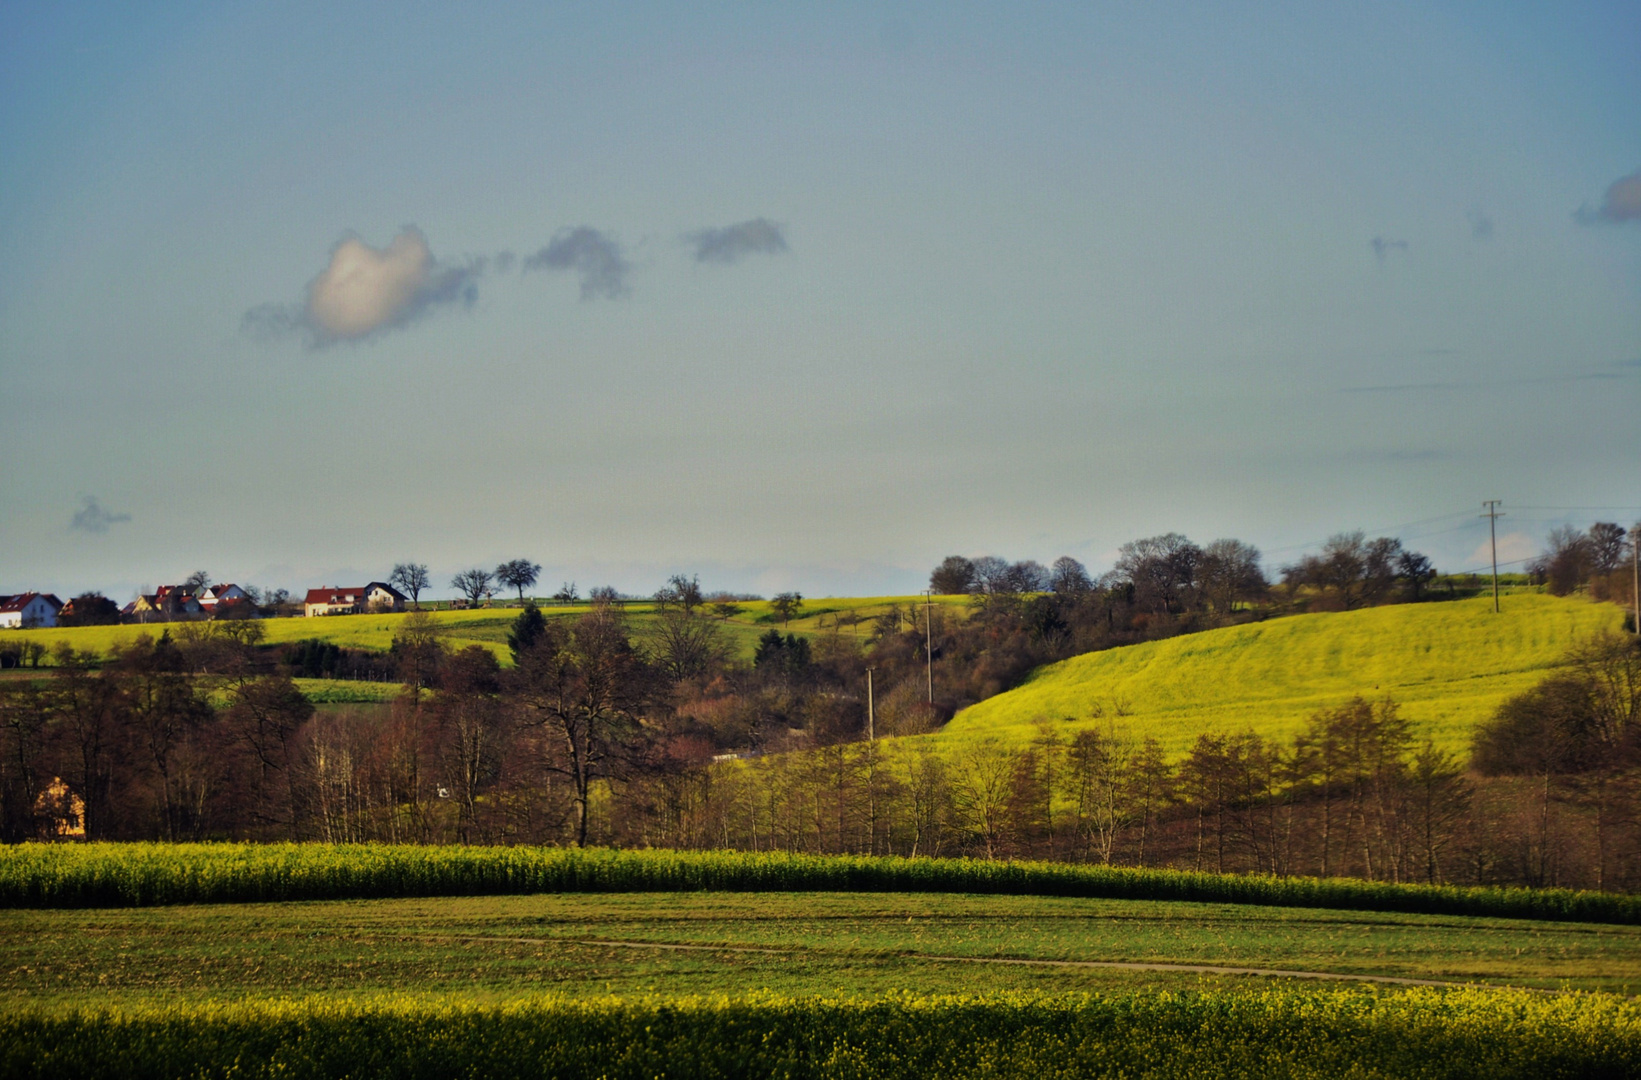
128	875
1496	1034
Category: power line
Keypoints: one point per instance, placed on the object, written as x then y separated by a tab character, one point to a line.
1480	569
1589	508
1381	530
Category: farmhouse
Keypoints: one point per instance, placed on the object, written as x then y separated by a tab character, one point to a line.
29	609
377	596
328	601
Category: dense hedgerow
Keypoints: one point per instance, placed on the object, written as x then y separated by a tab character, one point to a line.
131	875
1434	1034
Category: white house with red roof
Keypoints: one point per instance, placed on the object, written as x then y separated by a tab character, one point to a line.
30	609
377	596
329	601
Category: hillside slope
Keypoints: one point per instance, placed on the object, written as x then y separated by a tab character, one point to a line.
1448	664
488	627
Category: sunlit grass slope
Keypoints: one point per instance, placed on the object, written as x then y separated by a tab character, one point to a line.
1449	665
487	627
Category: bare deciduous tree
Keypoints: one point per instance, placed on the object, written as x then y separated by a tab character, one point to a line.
588	690
412	578
475	584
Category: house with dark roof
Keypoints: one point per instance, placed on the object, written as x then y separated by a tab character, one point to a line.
380	596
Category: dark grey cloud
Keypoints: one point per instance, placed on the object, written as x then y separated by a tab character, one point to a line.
593	254
91	517
1481	226
1382	246
364	290
1622	203
730	243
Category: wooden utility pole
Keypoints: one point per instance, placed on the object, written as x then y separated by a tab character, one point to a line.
871	775
1635	568
871	723
928	636
1492	517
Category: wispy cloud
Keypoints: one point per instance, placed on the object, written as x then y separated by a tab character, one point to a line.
1622	203
1491	384
730	243
91	517
1382	246
595	255
365	290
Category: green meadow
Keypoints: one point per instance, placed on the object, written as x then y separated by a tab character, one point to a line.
1448	664
590	944
586	980
488	627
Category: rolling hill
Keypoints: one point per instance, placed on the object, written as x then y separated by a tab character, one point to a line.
489	626
1448	664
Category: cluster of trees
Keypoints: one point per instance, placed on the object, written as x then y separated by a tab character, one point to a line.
1354	572
1164	575
1600	559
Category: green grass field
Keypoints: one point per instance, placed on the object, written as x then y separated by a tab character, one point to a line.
1449	665
768	983
488	627
791	943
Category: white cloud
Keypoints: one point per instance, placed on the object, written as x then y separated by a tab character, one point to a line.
364	290
1514	547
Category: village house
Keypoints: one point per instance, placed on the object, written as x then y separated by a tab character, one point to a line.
213	595
377	596
28	610
166	603
91	609
328	601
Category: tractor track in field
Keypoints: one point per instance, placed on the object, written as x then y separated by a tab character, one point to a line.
1118	965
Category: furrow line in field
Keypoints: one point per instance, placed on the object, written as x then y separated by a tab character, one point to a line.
1121	965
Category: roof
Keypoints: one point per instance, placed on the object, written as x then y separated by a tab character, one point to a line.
19	601
334	596
389	589
216	594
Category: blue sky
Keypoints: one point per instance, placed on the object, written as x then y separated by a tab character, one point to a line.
805	297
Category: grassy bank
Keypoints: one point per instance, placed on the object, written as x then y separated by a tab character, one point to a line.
123	875
1449	664
1285	1033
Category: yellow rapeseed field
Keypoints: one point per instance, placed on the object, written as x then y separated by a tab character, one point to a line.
1448	664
